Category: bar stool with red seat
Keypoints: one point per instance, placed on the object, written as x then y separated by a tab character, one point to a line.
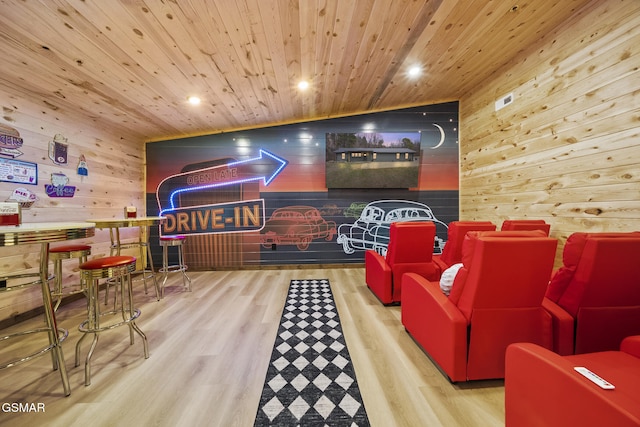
120	269
166	242
59	253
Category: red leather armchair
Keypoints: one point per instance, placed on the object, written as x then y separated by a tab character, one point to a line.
594	297
496	299
543	389
452	252
410	249
525	224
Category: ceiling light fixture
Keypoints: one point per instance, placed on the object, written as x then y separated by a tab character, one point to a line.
194	100
303	85
414	71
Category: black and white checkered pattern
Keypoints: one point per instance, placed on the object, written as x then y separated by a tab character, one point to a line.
310	380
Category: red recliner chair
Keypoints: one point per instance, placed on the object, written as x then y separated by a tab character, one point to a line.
542	388
525	224
594	297
496	299
410	249
452	252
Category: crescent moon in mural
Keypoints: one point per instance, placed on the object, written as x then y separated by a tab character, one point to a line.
441	136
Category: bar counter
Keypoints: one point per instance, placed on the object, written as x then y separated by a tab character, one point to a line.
44	233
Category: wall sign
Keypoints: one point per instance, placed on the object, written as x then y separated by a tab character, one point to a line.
10	141
232	217
25	198
58	149
82	166
18	171
263	168
59	187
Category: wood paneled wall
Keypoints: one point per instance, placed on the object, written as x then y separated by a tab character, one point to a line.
115	180
567	149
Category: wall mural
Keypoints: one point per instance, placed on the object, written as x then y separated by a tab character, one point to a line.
318	192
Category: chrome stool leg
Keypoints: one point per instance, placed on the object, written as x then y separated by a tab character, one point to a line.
118	268
166	242
57	255
186	280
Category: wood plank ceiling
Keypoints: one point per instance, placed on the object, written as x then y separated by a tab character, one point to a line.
131	64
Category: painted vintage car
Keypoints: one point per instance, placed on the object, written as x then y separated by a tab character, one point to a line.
296	225
355	209
330	209
371	229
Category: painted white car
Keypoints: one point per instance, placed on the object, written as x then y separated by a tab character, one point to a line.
371	230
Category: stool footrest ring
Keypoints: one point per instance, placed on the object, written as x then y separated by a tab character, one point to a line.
62	335
172	269
85	329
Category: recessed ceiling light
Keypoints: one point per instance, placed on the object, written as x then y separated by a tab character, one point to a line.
414	71
194	100
303	85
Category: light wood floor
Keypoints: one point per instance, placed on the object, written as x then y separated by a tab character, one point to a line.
209	351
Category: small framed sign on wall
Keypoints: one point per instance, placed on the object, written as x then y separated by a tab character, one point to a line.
18	171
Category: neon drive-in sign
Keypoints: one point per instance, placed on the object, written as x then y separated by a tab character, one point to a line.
230	217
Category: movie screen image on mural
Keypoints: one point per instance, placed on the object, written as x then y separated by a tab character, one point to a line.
372	160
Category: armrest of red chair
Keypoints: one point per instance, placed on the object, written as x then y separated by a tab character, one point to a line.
543	389
429	271
442	266
524	224
631	345
378	276
563	327
435	323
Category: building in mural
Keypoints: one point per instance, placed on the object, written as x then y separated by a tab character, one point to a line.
375	155
372	159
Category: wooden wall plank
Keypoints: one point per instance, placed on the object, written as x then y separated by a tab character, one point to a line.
566	150
115	180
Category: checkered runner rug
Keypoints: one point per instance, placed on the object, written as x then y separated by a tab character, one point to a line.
310	380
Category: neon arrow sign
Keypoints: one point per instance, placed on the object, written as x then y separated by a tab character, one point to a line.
264	168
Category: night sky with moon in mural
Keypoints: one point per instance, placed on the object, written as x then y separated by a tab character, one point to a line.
302	180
